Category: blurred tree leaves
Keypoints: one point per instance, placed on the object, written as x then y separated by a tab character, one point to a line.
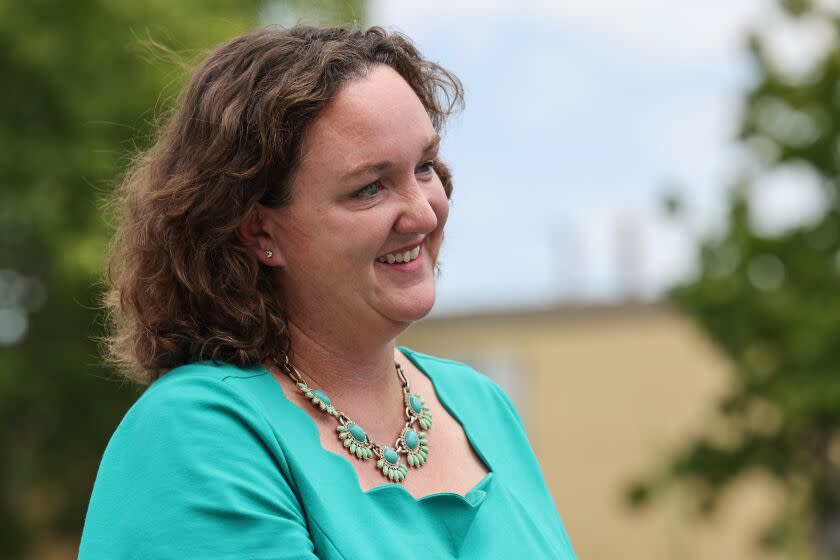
81	93
771	303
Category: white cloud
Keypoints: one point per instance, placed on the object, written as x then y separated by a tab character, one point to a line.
657	31
693	142
545	87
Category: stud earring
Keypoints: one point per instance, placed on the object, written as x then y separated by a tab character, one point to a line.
269	254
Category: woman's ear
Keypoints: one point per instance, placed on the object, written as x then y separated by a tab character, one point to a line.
255	233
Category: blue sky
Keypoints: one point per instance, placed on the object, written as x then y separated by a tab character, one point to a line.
578	115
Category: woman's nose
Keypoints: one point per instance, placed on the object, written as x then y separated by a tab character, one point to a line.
418	213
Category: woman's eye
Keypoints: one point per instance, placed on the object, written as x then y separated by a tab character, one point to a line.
427	167
369	191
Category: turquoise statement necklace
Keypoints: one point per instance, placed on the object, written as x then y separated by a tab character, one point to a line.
412	443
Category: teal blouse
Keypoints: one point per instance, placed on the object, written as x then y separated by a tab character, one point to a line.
213	462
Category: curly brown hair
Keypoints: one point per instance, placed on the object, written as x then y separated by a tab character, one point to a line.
181	285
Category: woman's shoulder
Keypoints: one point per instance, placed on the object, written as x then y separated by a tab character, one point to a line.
462	382
438	366
194	385
193	454
198	397
450	374
202	372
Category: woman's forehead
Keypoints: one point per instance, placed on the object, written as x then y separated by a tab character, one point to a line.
370	115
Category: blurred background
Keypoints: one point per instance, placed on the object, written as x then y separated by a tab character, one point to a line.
643	249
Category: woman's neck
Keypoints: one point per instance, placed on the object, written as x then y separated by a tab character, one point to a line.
344	368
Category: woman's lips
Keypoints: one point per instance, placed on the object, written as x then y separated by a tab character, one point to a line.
416	257
402	255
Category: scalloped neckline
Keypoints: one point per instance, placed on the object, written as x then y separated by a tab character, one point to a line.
472	498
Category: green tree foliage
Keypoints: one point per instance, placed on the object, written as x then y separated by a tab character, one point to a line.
771	303
81	93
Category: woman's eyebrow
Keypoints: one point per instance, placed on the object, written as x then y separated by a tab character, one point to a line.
433	144
379	167
365	169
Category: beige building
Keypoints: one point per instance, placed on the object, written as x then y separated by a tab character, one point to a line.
606	392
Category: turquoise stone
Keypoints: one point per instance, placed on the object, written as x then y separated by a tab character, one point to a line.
357	432
411	439
390	455
416	403
321	395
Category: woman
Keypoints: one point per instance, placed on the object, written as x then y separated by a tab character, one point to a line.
275	241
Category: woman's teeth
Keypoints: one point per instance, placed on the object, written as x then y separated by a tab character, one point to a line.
405	257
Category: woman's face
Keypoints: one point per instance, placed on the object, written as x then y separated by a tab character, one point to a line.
364	197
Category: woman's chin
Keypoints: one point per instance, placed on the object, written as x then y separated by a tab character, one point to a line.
408	310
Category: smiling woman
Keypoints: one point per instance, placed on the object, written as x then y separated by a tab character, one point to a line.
330	241
274	242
